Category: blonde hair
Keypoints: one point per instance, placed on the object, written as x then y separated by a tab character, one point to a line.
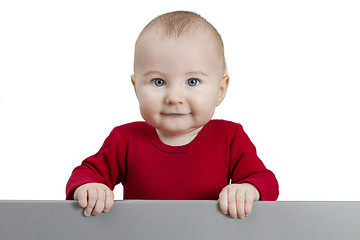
178	23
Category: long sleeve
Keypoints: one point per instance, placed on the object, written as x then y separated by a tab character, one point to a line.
134	155
245	166
106	166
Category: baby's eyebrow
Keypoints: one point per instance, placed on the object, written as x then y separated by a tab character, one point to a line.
197	73
155	73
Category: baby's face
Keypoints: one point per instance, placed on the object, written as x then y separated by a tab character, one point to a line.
178	82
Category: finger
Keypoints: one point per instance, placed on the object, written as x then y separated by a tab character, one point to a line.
249	200
99	205
223	202
92	198
240	202
81	196
109	201
232	202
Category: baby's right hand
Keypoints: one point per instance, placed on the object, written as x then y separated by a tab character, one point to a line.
94	197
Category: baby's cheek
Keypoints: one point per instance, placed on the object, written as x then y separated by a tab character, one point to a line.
149	102
206	106
147	110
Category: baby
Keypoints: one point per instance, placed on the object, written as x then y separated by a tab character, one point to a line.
178	153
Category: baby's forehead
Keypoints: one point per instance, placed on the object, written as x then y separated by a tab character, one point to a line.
179	55
192	36
154	44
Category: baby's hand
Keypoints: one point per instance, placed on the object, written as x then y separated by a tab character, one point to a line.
237	199
94	197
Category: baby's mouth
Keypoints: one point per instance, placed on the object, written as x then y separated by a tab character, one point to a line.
173	114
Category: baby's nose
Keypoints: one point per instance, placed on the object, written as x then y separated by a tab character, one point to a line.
174	96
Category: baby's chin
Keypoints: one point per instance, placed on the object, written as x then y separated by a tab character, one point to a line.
176	126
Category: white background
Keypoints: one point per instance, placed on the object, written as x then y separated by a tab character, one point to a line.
65	71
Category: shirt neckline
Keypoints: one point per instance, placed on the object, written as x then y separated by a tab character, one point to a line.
176	149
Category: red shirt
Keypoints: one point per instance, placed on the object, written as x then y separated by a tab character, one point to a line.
148	169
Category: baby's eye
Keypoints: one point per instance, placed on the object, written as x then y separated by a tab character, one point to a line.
158	82
192	82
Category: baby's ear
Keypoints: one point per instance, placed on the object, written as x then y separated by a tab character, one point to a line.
223	88
133	81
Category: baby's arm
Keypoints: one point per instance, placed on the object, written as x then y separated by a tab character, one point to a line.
92	182
237	199
251	180
94	198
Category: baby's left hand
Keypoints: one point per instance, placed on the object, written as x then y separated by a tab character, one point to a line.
237	199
